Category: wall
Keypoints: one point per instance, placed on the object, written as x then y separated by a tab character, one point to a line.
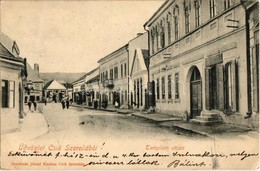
10	116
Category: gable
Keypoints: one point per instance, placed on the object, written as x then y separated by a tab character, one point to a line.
55	85
138	62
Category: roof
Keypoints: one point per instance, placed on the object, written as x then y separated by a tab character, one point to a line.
54	85
113	53
154	16
143	56
9	44
94	79
85	75
31	75
9	51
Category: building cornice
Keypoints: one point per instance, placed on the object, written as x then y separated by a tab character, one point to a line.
125	47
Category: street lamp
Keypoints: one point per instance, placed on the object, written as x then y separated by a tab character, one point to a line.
29	86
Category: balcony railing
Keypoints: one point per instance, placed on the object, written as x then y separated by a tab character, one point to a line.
109	83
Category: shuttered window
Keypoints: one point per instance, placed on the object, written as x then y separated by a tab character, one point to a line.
255	81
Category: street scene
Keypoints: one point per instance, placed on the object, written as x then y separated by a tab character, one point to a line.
130	85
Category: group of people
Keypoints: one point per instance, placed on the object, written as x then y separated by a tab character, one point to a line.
65	103
34	105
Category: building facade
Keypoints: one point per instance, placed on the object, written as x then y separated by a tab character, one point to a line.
138	48
54	91
92	87
198	59
139	79
34	85
12	73
113	83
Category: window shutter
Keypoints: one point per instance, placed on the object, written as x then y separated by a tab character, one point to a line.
255	80
220	87
235	86
207	88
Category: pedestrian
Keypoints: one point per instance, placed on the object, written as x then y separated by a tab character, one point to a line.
116	104
29	104
67	103
45	101
63	104
34	105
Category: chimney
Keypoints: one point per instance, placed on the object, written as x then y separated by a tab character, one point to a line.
36	69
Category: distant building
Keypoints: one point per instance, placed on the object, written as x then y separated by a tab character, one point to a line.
34	92
92	87
114	72
199	60
54	91
12	71
86	88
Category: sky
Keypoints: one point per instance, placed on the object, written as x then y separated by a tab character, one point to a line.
71	36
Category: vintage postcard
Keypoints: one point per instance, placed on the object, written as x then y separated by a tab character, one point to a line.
129	85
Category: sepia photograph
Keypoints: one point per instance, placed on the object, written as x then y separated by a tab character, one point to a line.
129	85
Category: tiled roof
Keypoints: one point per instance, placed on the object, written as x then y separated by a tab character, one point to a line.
32	75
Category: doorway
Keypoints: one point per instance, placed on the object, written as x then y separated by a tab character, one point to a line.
196	93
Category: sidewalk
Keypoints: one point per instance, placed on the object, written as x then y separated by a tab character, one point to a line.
170	121
33	125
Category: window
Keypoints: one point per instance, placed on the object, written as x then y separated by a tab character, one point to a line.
122	71
111	74
163	88
197	13
158	38
227	4
106	75
230	86
176	22
135	91
152	37
177	96
169	27
212	7
141	91
158	88
162	34
116	72
187	20
8	94
169	87
125	70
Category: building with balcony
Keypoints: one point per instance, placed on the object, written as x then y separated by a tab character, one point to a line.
198	60
113	82
12	72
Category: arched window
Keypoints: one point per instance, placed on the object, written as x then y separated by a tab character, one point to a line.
153	38
176	22
187	19
162	34
197	12
169	29
158	39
